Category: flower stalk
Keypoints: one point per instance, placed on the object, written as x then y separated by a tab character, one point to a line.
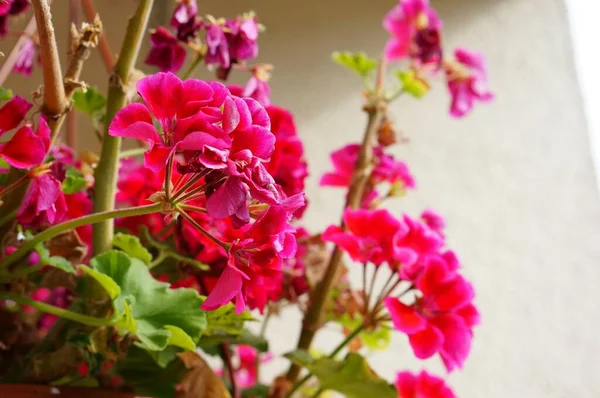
106	172
318	297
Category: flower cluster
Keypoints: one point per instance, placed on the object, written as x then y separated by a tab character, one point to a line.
422	385
441	317
416	34
386	169
226	42
222	146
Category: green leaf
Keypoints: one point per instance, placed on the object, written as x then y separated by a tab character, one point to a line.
148	377
357	62
74	181
412	83
89	101
106	282
131	245
155	313
224	320
53	261
257	391
209	343
164	357
5	94
352	376
375	340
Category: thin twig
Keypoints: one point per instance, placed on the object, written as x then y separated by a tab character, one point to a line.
74	18
226	355
105	52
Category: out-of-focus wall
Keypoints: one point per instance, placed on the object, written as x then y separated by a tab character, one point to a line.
515	179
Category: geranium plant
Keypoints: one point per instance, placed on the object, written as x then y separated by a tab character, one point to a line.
123	271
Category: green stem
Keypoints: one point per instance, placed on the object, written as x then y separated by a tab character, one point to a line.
57	229
317	393
193	66
61	312
195	224
132	152
106	172
333	353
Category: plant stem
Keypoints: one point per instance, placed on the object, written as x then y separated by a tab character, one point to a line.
193	66
74	18
195	224
320	294
57	229
226	356
333	353
51	309
12	58
107	57
106	171
132	152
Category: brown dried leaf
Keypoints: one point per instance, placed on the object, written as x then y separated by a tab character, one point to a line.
200	381
386	135
68	245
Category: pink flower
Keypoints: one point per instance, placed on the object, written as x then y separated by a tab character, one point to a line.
187	113
287	165
166	52
246	373
422	385
259	90
242	34
255	259
369	236
28	55
442	318
414	27
467	81
391	170
413	244
10	8
434	221
217	46
26	148
184	19
44	202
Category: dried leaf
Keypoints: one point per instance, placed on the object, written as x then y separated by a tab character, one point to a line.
200	381
68	245
280	388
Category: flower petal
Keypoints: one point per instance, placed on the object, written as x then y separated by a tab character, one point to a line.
24	150
426	342
162	92
134	121
228	286
13	113
405	318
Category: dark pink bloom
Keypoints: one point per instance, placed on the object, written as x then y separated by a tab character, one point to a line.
217	46
187	111
44	202
369	236
391	170
10	8
442	318
166	53
27	148
422	385
28	55
259	90
414	26
467	81
434	221
184	19
242	34
246	373
255	259
287	165
414	243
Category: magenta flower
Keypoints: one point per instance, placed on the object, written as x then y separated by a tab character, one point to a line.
44	202
414	26
255	258
166	53
369	236
217	46
28	55
26	148
467	81
259	90
440	321
422	385
434	221
246	373
414	243
242	34
10	8
187	112
184	19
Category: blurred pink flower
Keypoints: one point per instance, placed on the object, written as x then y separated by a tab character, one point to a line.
421	385
166	52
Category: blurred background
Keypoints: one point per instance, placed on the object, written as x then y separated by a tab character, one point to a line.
515	179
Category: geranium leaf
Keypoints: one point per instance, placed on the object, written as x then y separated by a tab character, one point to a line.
209	343
5	94
224	320
89	101
351	376
53	261
131	245
106	282
357	62
375	340
155	313
74	181
412	84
